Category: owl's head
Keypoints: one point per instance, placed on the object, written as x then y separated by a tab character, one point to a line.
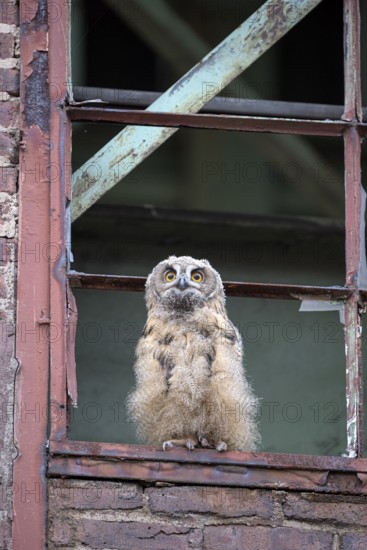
183	283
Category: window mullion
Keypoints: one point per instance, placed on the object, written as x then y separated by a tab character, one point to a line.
352	61
354	380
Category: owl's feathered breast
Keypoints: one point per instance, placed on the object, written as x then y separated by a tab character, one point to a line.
186	348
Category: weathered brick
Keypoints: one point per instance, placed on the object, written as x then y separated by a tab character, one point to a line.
3	288
61	531
9	13
8	215
6	248
6	369
354	542
9	147
8	179
9	81
95	495
5	535
8	113
137	536
223	501
233	537
332	508
6	45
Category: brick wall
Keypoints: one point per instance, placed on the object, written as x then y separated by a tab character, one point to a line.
9	146
110	515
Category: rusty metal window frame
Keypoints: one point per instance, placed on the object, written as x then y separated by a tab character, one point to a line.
107	460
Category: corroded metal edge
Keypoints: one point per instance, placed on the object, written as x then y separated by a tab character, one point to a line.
232	288
239	475
211	121
31	385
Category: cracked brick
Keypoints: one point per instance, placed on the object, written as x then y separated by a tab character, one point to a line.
101	534
265	538
221	501
94	495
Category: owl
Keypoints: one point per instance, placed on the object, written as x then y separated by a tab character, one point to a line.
191	388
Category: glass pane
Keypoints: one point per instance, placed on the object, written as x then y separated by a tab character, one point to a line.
109	326
162	49
257	207
294	361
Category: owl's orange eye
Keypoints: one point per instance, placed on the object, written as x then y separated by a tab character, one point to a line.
170	276
197	276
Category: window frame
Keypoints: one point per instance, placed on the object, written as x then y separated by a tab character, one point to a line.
247	469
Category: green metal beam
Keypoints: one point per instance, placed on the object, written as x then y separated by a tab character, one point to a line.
175	41
188	95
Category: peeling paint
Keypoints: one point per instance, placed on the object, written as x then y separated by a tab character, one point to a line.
213	474
38	21
72	319
31	384
354	399
36	93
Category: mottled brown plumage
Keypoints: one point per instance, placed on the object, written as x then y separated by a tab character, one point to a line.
190	381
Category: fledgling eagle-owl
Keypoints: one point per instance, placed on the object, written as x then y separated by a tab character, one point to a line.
190	381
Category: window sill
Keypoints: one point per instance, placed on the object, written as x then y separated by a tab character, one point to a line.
325	474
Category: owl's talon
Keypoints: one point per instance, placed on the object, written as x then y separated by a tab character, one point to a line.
190	444
221	446
203	441
167	445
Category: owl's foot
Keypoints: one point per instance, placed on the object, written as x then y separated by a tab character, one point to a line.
189	443
221	446
204	442
167	445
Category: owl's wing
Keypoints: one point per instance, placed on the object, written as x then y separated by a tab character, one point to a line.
233	402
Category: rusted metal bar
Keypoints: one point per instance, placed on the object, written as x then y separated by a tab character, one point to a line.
231	57
203	474
303	224
106	97
72	319
354	207
355	275
211	122
61	375
106	282
33	316
352	61
122	453
249	290
354	378
238	476
355	233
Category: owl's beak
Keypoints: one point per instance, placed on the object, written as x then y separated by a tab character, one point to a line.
183	282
